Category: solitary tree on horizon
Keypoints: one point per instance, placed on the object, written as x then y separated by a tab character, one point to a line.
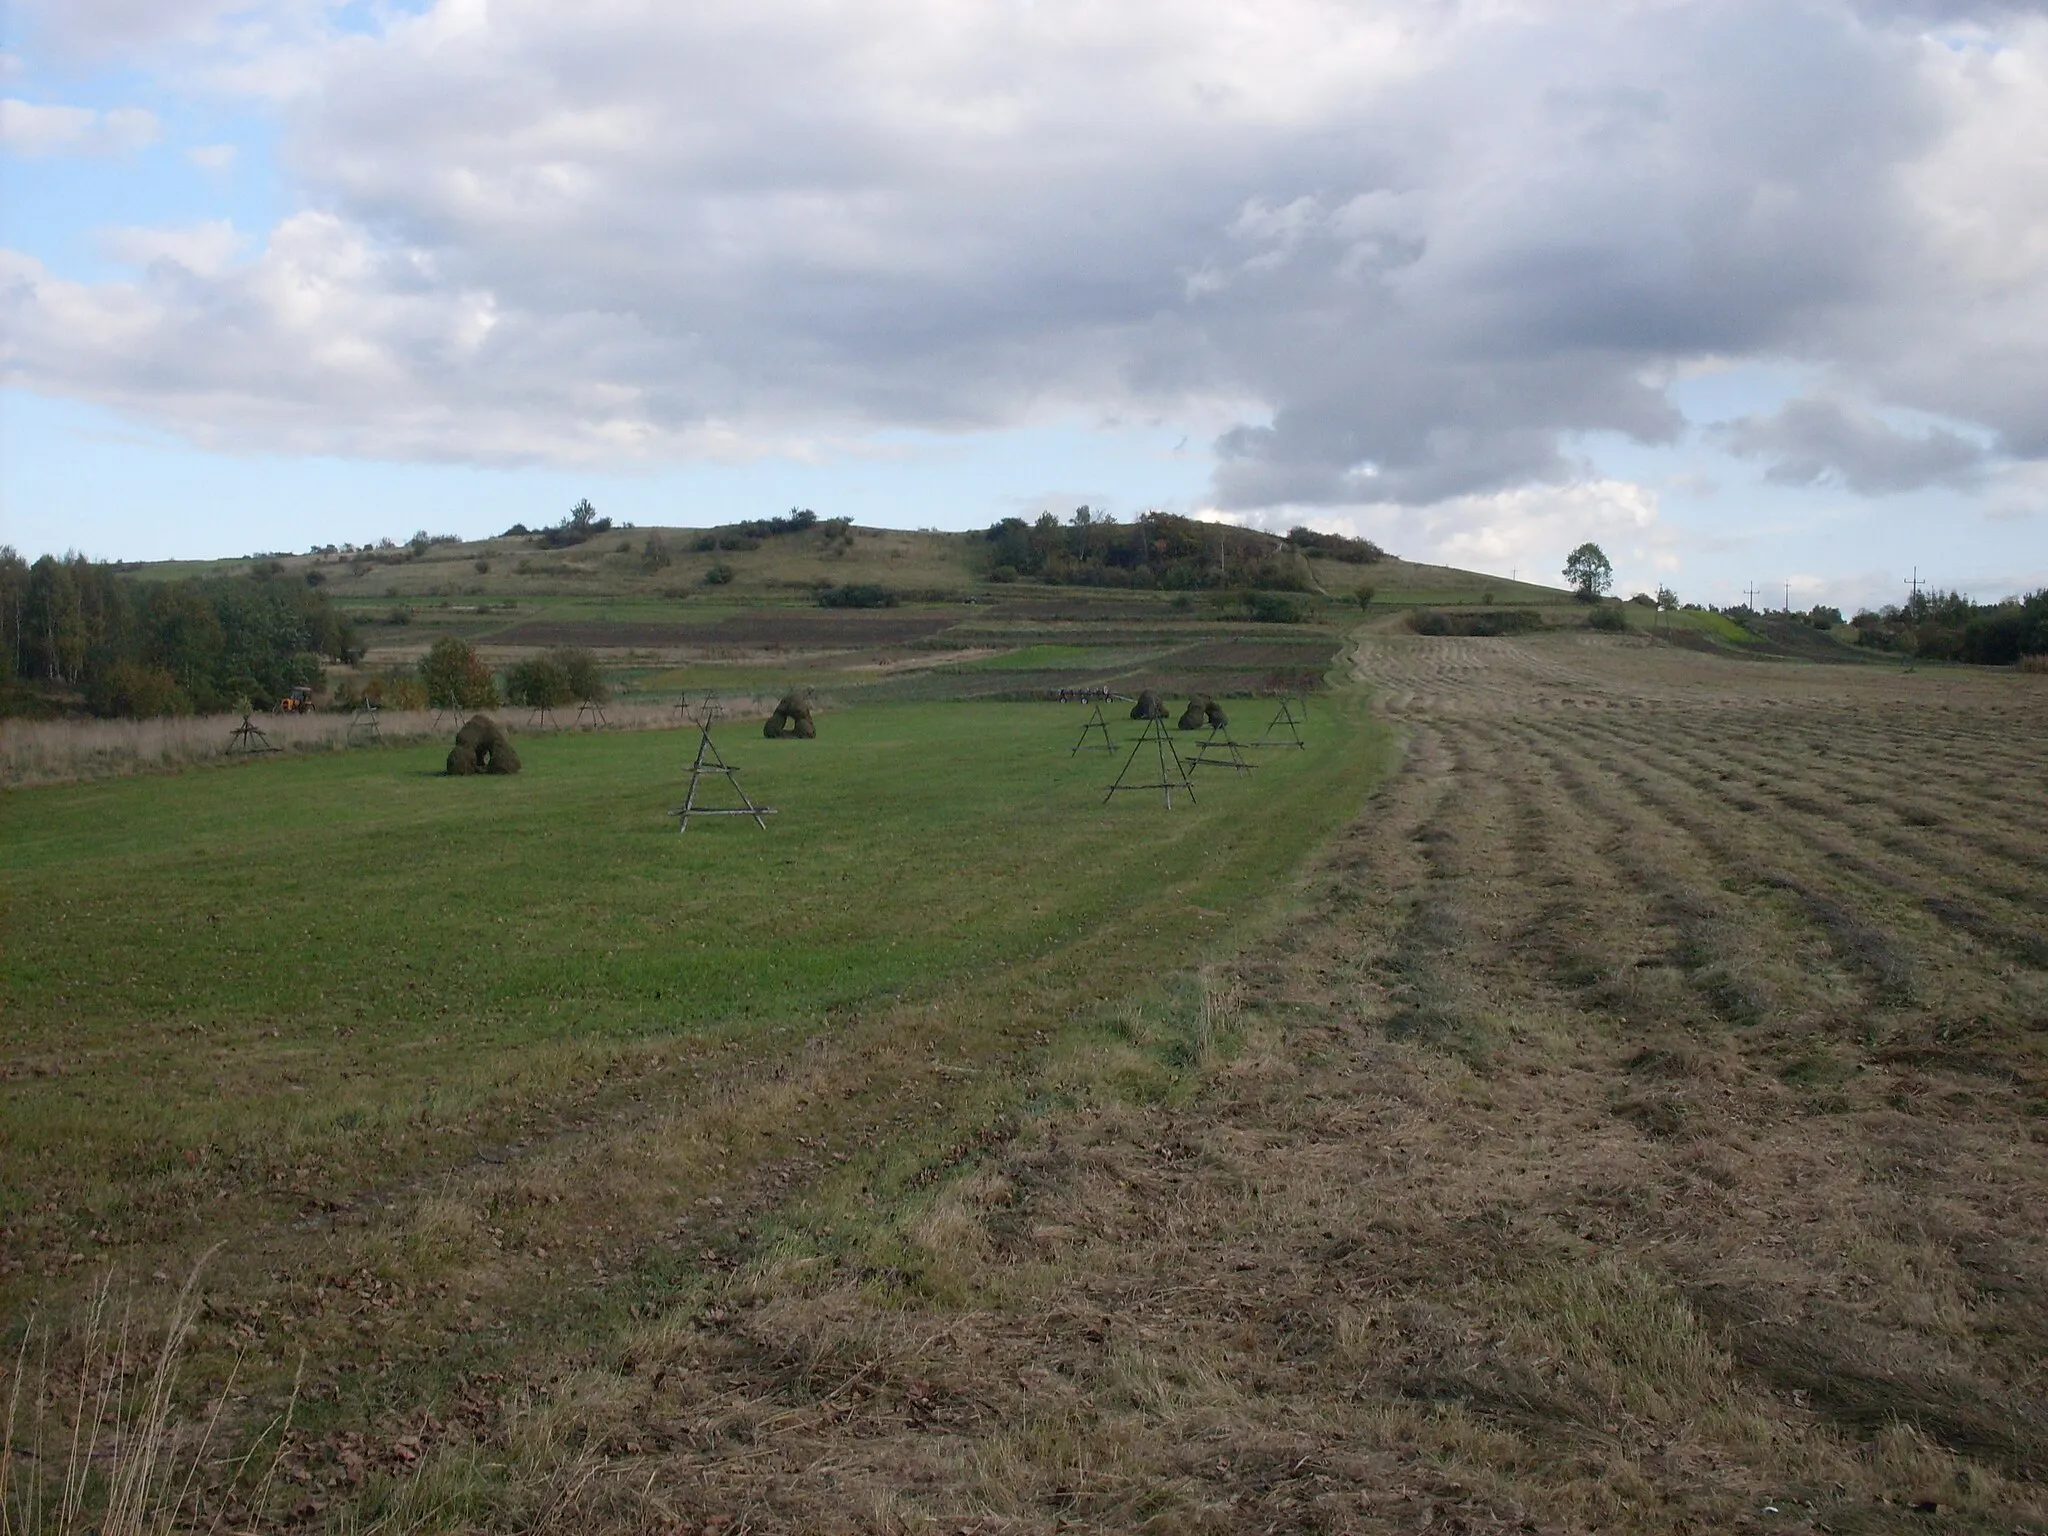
1589	571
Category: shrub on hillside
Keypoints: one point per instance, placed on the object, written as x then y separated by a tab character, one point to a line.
1607	619
1502	621
860	595
1276	608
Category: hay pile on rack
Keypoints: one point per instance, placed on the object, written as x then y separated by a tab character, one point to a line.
1196	715
1148	707
792	717
482	746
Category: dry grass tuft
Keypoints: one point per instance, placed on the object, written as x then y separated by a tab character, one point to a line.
96	1438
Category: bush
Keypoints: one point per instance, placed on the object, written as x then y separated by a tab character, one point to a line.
654	554
1608	620
538	682
1364	596
1501	621
581	523
719	575
585	678
1334	546
133	688
865	595
1275	608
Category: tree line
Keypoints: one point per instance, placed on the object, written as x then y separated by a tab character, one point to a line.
1159	549
77	632
1946	626
453	676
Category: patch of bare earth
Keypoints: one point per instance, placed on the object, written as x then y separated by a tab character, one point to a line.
1641	1130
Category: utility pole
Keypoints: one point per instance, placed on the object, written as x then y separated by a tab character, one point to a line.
1788	597
1914	583
1750	595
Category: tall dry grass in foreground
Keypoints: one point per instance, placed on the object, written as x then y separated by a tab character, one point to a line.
68	751
94	1439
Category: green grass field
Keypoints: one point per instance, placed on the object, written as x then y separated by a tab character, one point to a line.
238	988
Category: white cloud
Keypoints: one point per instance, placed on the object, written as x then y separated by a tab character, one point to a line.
1422	249
201	250
218	158
31	130
1525	532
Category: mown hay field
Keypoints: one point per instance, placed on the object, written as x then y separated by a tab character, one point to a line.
1633	1120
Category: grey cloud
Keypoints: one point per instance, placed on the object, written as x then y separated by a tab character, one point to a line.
1424	246
1814	441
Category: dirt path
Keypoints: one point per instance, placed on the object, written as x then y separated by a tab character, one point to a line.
1642	1129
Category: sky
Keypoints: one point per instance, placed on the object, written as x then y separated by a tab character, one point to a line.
1754	295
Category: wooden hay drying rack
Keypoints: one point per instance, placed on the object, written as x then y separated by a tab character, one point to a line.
709	764
248	740
1285	718
1168	782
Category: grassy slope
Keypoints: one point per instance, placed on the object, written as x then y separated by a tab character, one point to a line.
607	576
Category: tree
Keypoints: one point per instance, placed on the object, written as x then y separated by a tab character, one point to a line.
1667	600
538	682
1589	571
455	676
585	678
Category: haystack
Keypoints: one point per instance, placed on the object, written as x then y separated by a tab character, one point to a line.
1217	718
1148	707
482	746
1196	715
792	717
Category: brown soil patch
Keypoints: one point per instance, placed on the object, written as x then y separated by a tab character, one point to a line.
1246	655
796	629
